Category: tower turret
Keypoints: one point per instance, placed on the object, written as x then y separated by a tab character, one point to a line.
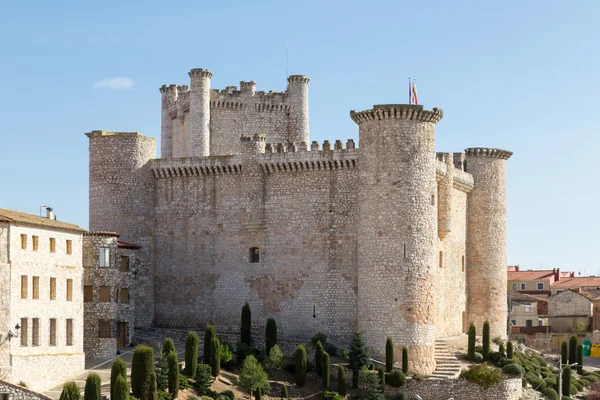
486	239
397	229
168	94
298	97
198	140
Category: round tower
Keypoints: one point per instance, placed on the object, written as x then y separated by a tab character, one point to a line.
297	92
198	140
397	230
486	239
168	94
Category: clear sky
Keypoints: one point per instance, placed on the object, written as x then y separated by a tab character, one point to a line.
518	75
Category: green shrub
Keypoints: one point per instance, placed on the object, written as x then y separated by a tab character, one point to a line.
203	378
486	340
381	373
478	358
325	369
389	355
284	391
242	351
574	389
162	372
252	377
167	347
501	348
404	360
228	394
579	358
184	382
578	385
550	381
471	346
512	369
572	349
341	381
509	349
70	391
395	378
585	382
551	394
274	360
319	358
330	395
591	378
564	352
121	389
344	354
119	368
566	381
142	369
191	354
270	335
318	337
151	392
482	375
300	358
215	357
209	333
246	328
173	374
226	353
92	387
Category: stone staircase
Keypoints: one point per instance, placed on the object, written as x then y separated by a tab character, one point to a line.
447	366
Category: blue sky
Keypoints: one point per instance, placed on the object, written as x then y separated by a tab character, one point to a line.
518	75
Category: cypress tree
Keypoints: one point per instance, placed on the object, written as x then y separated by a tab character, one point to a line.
121	390
381	374
341	381
486	340
471	348
215	357
173	374
167	347
319	358
270	334
509	350
501	348
258	394
564	352
325	369
580	359
142	370
246	331
566	382
209	333
405	360
284	391
300	359
119	368
70	391
389	355
92	387
573	349
152	392
191	354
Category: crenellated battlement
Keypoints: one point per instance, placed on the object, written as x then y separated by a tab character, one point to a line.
462	180
488	152
200	72
397	111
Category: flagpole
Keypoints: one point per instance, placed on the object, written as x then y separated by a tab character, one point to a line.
409	92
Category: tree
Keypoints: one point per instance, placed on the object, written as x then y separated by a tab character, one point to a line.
121	389
404	360
162	372
191	354
151	391
471	343
319	358
566	382
580	359
486	340
209	333
381	374
359	351
341	381
252	377
284	391
275	358
167	347
92	387
300	359
173	374
258	394
501	348
215	357
573	349
564	352
142	370
355	375
119	368
246	331
509	350
325	369
70	391
389	355
270	334
373	383
204	378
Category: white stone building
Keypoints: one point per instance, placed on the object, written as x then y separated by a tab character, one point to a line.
41	275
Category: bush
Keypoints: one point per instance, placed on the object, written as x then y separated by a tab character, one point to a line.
389	355
319	337
512	369
151	391
566	382
70	391
270	335
119	368
228	394
246	328
92	387
509	350
215	357
226	353
252	377
121	389
167	347
564	352
486	340
551	394
572	349
580	359
591	378
209	333
325	369
300	359
162	372
203	378
319	358
341	381
184	382
330	395
274	360
478	358
191	354
396	378
471	346
482	375
344	354
381	374
284	391
501	348
359	351
142	370
173	374
404	360
242	351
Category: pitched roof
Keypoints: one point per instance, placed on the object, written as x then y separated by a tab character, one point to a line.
578	281
12	216
525	297
529	275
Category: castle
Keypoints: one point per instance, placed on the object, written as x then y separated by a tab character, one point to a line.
390	239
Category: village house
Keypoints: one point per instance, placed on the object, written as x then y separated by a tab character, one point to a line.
573	310
572	282
527	311
538	282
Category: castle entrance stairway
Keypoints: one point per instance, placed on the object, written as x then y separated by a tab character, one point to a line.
447	365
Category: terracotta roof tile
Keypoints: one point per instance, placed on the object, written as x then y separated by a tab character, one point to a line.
12	216
578	281
529	275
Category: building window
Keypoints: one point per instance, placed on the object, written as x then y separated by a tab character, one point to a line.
104	293
441	259
254	256
53	332
23	286
35	242
24	333
104	329
88	293
559	291
52	245
69	289
522	286
52	288
23	241
124	263
36	288
513	322
540	323
124	295
529	323
540	285
35	327
514	286
69	332
105	257
527	307
69	247
463	263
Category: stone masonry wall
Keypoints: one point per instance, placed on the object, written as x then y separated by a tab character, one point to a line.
16	392
508	389
5	318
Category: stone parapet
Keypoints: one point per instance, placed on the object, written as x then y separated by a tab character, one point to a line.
488	152
200	72
397	111
507	389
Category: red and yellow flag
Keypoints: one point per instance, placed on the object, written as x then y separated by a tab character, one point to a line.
414	97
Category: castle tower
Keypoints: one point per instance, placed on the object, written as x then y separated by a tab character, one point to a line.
122	200
486	239
198	140
397	230
298	121
253	194
168	94
445	194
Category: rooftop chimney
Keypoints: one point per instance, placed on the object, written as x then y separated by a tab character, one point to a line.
49	213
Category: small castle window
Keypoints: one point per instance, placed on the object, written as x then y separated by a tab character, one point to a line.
254	255
105	257
463	263
405	251
441	259
433	199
